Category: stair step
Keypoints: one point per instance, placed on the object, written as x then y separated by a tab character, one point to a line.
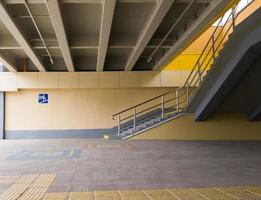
151	121
142	126
138	123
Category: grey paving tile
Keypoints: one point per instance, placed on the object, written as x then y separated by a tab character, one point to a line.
112	165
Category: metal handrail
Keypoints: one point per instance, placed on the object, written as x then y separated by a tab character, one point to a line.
149	108
163	102
232	16
211	39
196	73
137	105
204	49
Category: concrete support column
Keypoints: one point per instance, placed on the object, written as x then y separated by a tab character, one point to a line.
2	115
2	111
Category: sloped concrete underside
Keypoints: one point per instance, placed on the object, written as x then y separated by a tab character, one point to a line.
232	85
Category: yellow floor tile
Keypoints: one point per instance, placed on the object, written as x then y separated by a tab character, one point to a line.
133	195
239	193
256	190
81	196
160	194
56	196
213	194
186	194
107	195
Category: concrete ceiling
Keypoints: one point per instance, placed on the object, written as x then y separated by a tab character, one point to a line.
95	35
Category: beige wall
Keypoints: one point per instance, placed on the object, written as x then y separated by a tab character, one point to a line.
92	109
75	80
220	127
71	108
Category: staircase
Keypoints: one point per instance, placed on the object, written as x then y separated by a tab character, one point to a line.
149	122
232	84
149	114
168	106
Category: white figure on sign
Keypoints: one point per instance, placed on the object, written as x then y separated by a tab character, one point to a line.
43	98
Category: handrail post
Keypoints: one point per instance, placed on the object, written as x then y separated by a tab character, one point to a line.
162	106
119	124
233	17
199	72
134	119
177	99
213	47
187	92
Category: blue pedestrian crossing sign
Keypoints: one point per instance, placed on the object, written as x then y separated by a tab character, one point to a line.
43	98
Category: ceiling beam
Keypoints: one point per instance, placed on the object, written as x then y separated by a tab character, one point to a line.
57	22
136	1
82	1
61	1
106	22
84	47
192	32
86	1
7	63
16	33
198	1
155	19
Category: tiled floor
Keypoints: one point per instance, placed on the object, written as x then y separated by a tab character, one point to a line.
252	193
83	165
17	192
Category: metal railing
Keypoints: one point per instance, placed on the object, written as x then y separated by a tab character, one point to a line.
175	101
165	104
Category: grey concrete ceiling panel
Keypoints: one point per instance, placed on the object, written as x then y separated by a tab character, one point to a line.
94	35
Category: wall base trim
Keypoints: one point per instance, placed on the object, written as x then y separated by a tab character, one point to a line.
57	134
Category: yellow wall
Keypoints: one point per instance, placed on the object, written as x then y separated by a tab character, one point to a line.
71	108
220	127
187	59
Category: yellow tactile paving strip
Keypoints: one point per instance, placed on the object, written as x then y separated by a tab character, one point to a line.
8	179
26	187
229	193
222	193
33	193
34	187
